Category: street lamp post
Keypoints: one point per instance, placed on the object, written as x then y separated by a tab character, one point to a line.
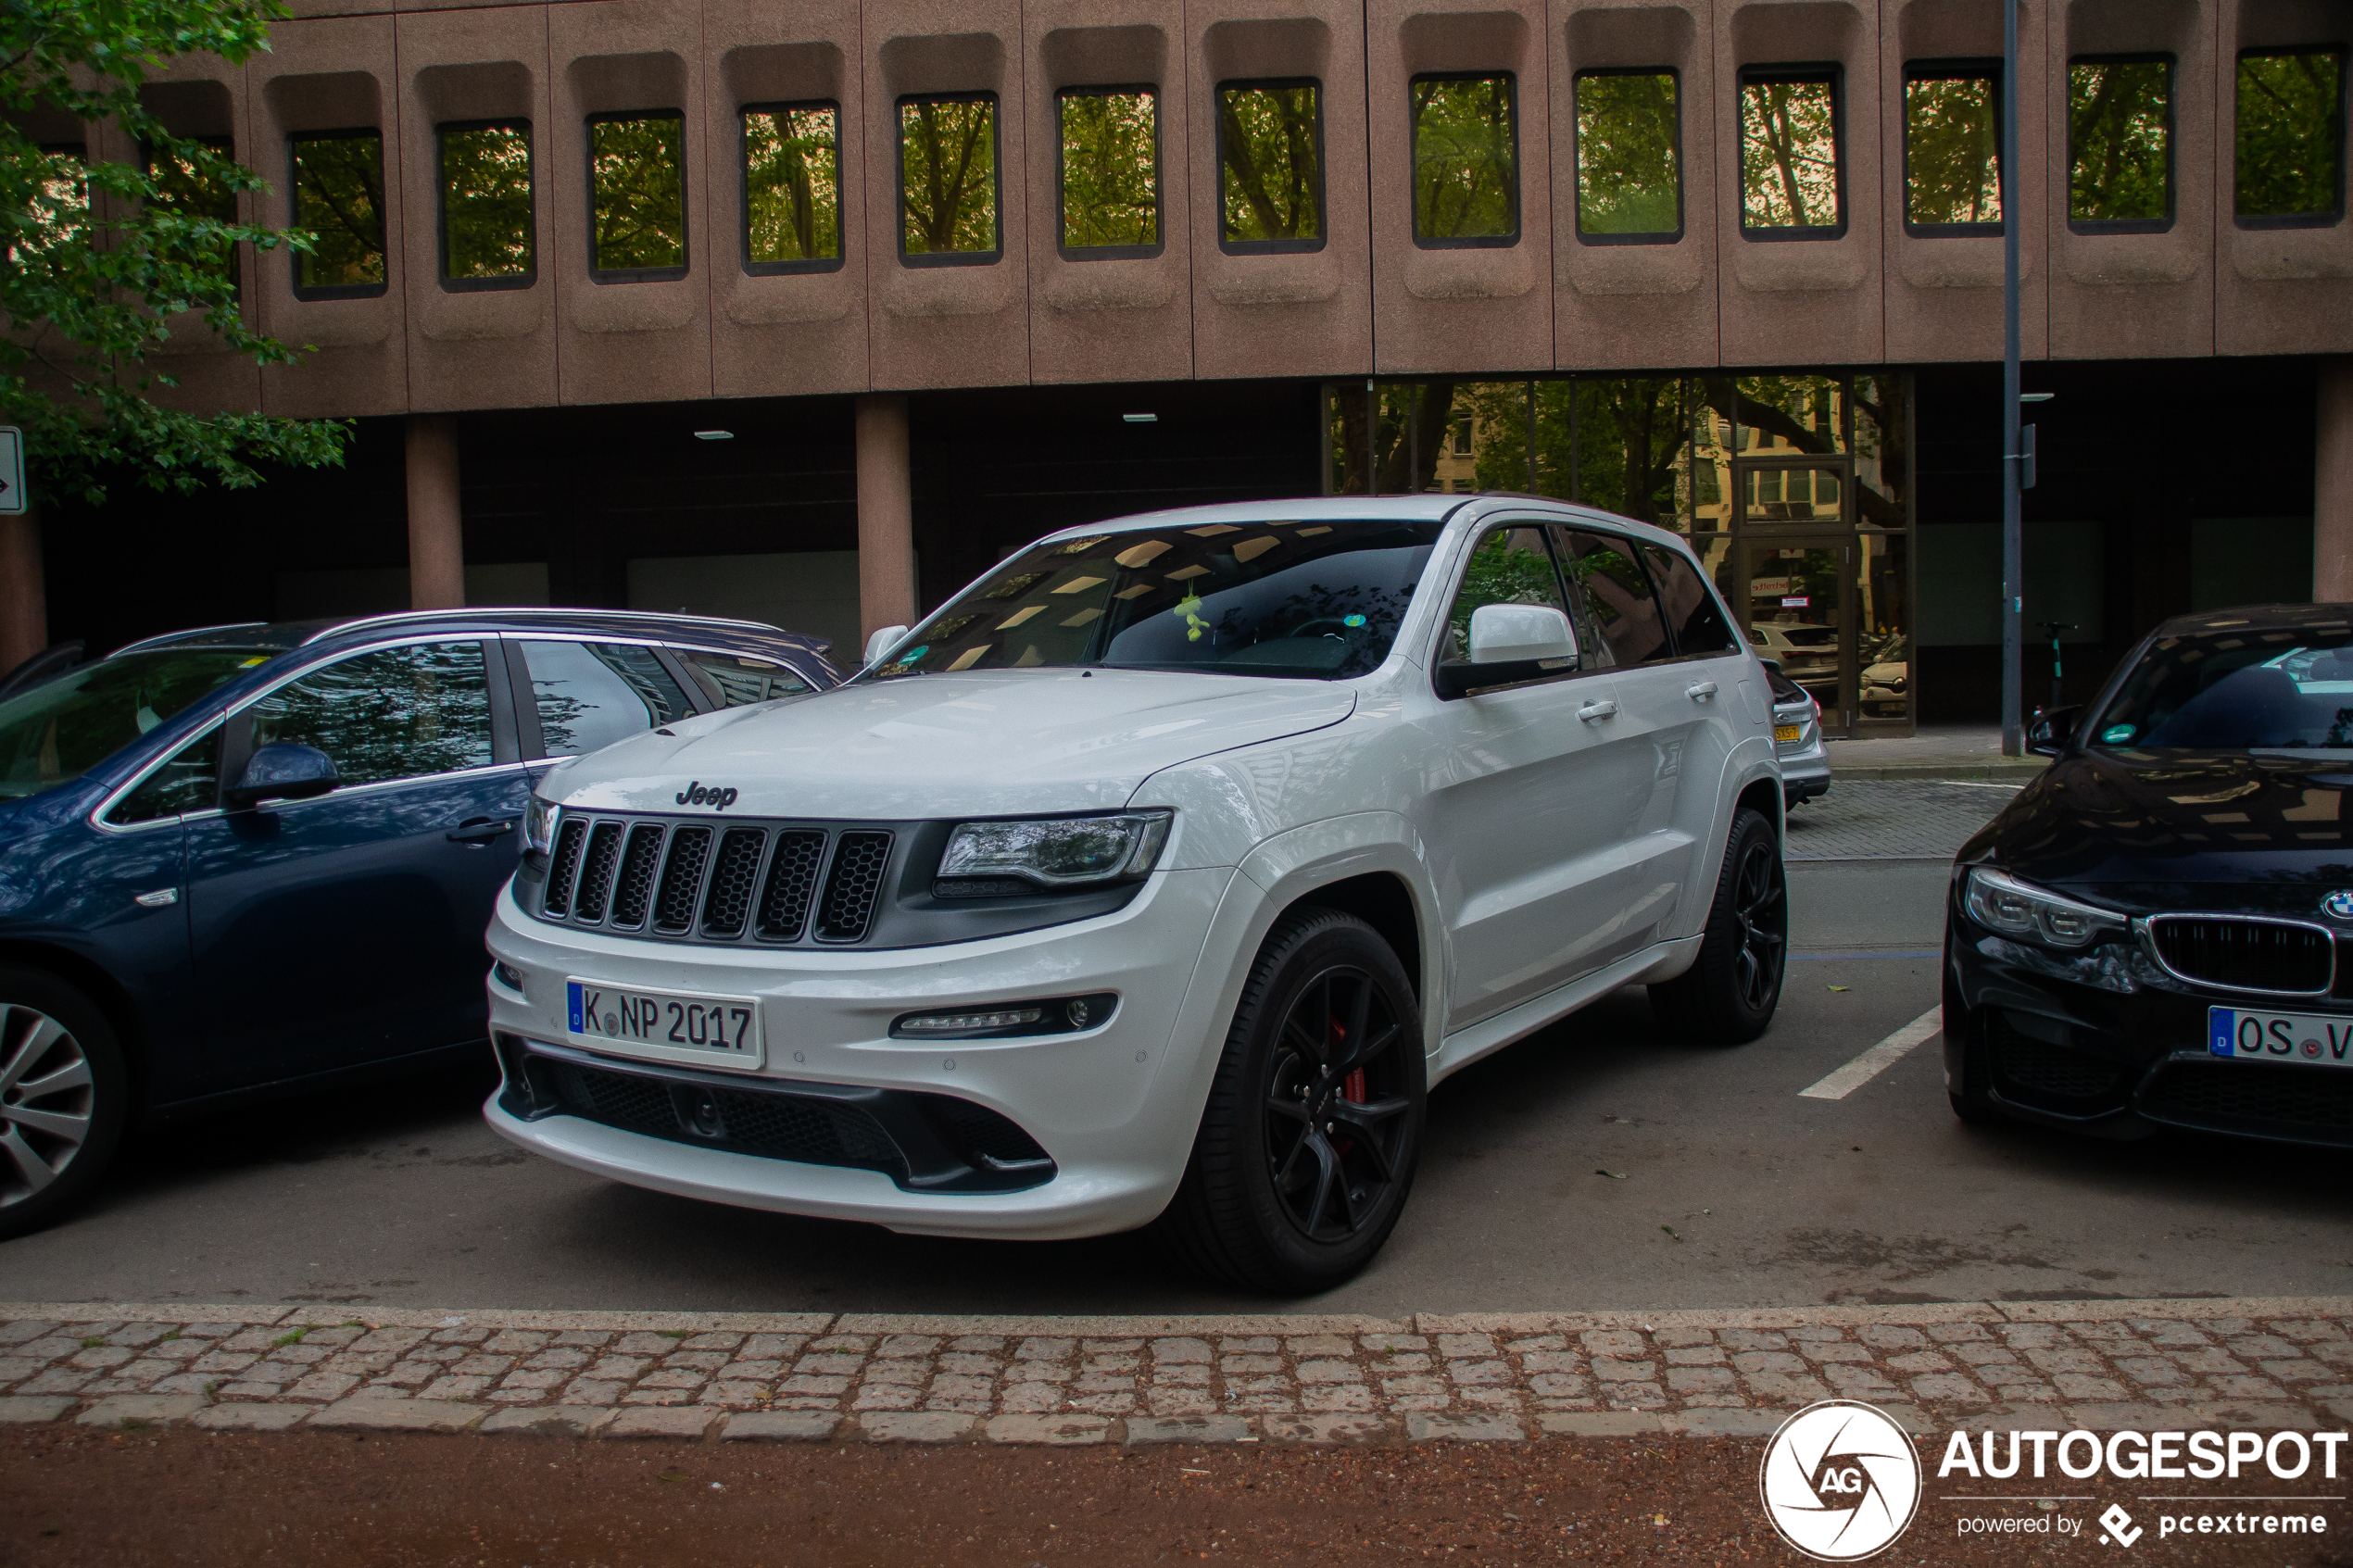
2013	463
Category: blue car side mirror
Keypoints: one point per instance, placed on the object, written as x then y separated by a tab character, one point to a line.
282	771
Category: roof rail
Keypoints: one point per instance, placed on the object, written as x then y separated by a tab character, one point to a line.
481	611
178	635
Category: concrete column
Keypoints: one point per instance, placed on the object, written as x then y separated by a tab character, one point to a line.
436	524
24	604
2333	483
886	521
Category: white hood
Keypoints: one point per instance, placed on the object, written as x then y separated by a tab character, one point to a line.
983	743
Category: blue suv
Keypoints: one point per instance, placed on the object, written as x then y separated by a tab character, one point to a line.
236	860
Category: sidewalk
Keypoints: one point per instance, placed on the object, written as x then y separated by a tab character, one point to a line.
1934	751
2097	1365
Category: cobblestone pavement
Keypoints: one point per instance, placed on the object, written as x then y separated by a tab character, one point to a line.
1861	820
2099	1365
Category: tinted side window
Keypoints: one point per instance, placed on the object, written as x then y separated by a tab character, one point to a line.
1699	625
1508	566
1613	596
396	713
190	781
744	681
591	694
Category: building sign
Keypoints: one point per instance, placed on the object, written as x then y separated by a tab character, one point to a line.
13	499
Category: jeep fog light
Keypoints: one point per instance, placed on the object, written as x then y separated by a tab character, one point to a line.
1057	851
1052	1015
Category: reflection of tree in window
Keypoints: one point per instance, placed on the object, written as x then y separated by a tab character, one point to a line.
792	184
55	209
1510	565
486	196
1270	163
2291	134
192	192
1952	143
339	197
1617	597
190	781
398	713
1630	177
1110	170
948	174
1788	153
640	194
1465	182
590	695
2120	124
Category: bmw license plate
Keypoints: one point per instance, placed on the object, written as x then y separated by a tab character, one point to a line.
2279	1037
663	1025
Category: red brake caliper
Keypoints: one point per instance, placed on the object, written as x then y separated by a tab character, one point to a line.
1351	1088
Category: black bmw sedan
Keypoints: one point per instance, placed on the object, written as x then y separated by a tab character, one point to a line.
2158	931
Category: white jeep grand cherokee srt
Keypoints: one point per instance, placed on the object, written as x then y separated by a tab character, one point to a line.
1157	876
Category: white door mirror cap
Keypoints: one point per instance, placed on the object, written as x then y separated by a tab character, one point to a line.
1509	634
880	643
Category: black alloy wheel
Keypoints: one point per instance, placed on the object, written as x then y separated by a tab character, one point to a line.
1728	995
1308	1145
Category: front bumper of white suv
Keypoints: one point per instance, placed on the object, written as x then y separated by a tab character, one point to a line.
1073	1134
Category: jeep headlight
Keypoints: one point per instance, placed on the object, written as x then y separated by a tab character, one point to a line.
539	825
2001	902
1057	851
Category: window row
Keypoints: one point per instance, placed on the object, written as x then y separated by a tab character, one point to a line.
1625	145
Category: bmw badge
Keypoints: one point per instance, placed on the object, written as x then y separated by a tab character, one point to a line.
2339	904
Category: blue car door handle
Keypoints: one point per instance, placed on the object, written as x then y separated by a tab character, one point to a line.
480	831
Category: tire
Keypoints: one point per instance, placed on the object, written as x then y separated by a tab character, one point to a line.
65	1097
1728	995
1969	1099
1292	1197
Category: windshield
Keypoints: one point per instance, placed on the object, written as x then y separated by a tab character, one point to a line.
1310	600
54	733
2236	691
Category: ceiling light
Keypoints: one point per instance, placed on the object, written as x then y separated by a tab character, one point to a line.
2036	396
1141	418
714	435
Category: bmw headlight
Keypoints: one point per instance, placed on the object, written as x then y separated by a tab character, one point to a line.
2001	902
1056	851
539	825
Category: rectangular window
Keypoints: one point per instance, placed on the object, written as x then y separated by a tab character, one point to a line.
1630	157
339	197
2119	145
396	713
948	181
792	188
1270	166
192	192
638	196
1792	185
58	210
2291	138
1109	171
488	234
1465	162
1614	596
1951	150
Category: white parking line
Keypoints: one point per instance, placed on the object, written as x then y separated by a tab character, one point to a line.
1879	1058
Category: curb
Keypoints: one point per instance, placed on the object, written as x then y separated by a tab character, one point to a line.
2007	771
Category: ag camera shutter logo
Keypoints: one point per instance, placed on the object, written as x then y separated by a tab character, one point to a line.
1841	1481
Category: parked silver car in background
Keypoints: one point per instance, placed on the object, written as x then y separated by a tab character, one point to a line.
1797	739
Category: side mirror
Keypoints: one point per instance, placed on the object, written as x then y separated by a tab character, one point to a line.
1509	643
880	643
2053	730
282	771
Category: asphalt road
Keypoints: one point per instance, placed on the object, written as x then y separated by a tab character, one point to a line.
1725	1189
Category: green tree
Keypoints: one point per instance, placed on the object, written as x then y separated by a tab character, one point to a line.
1270	150
1789	155
948	173
1110	170
1629	173
641	197
2119	117
792	168
1465	184
102	258
1952	148
2290	107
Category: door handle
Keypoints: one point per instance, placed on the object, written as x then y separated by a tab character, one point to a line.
1700	692
481	830
1602	710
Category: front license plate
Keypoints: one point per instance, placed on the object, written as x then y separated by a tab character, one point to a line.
2279	1037
665	1025
1784	735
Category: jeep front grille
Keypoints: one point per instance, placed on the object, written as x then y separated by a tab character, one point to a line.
701	881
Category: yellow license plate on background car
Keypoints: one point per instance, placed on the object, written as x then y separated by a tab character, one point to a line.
1784	733
2245	1035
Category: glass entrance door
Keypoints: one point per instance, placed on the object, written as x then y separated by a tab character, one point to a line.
1796	603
